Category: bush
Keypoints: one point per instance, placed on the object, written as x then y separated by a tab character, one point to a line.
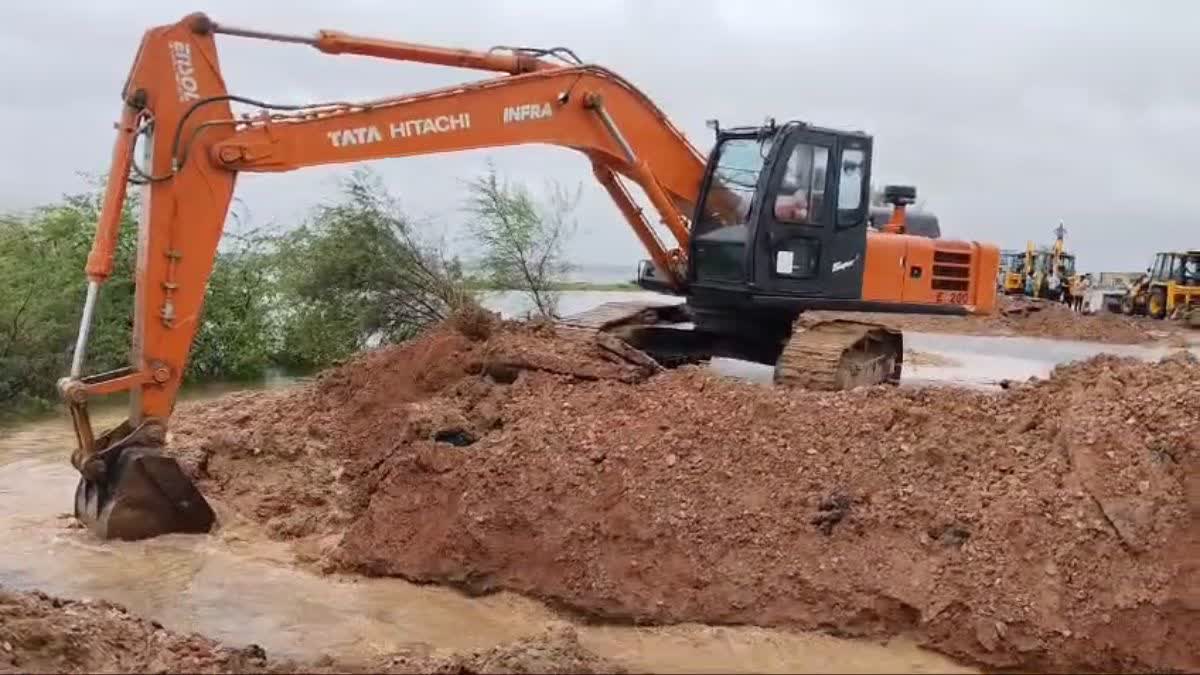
42	288
522	240
360	273
356	274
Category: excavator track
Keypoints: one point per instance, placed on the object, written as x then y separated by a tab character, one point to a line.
839	354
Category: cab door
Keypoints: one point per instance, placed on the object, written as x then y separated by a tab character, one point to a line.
810	238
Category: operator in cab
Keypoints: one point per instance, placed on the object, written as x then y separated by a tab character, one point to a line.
792	202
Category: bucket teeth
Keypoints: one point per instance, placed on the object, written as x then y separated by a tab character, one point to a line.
142	494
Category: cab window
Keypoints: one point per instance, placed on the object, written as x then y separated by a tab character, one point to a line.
801	192
734	179
1191	272
850	186
1068	265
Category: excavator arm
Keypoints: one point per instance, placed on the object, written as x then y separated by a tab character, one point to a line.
178	138
576	108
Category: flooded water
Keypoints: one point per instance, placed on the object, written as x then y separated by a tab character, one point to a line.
931	358
238	587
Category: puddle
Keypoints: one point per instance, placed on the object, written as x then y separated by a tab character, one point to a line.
983	361
240	588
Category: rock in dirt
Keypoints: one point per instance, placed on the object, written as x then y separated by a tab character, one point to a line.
1049	526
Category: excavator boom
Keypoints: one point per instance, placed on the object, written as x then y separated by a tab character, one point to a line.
176	114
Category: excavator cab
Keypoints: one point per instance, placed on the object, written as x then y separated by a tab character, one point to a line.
783	210
783	224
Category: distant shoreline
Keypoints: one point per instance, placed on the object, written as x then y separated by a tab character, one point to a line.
564	286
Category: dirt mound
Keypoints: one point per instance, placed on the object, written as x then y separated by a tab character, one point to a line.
1050	526
39	633
1033	318
281	457
45	634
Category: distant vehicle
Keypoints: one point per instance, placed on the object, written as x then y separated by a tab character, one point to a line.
1013	267
1016	265
1170	288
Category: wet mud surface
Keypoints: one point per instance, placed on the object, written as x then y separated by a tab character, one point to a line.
1048	526
1021	317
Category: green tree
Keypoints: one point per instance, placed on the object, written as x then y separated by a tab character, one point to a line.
237	337
42	287
522	240
358	273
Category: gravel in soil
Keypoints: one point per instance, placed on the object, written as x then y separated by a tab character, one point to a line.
45	634
1050	526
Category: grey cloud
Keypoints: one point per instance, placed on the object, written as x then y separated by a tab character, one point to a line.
1007	116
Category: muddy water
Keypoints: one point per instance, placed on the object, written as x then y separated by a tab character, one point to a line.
239	587
931	358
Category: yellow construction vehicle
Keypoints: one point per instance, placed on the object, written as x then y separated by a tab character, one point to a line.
1014	265
1170	288
1053	258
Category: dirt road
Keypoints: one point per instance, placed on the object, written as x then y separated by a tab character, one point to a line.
1050	527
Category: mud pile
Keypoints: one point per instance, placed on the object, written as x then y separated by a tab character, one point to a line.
45	634
1052	526
1034	318
282	458
40	633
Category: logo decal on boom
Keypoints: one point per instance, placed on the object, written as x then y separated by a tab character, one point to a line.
431	125
185	71
356	136
341	138
528	111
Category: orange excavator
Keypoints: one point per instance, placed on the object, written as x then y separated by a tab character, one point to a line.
773	223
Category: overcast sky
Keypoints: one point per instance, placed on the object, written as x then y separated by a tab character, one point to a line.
1007	116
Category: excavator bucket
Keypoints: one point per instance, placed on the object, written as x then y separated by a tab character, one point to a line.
137	493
